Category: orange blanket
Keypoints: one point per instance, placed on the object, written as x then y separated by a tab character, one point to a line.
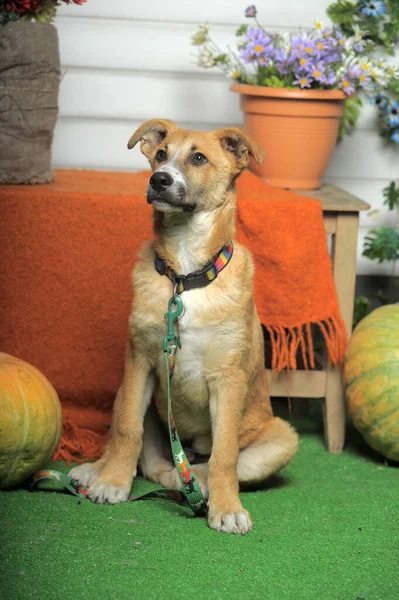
68	249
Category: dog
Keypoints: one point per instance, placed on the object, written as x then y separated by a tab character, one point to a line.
221	402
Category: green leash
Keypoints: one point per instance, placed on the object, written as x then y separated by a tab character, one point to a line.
191	494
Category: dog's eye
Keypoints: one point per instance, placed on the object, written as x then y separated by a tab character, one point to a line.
160	156
199	159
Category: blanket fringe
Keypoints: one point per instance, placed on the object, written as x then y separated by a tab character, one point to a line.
78	443
287	342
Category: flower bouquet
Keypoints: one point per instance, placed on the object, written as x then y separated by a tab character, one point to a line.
322	58
323	66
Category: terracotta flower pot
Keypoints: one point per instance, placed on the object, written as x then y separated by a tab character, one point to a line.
297	129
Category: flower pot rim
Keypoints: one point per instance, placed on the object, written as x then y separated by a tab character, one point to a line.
260	90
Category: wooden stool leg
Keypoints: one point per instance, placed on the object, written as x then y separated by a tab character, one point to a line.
334	411
343	256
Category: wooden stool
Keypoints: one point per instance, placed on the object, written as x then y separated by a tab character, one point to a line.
341	221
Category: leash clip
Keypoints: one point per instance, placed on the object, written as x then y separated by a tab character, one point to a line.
171	316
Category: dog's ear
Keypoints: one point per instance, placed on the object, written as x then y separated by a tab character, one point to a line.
240	143
151	133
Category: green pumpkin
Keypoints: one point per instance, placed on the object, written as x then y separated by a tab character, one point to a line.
371	376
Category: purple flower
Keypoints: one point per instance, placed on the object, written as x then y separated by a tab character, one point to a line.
330	78
339	37
327	32
280	56
304	81
259	46
364	80
317	71
395	136
321	46
303	45
347	86
332	56
251	11
355	71
358	47
247	55
304	63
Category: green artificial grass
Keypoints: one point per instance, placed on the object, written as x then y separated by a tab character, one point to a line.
326	528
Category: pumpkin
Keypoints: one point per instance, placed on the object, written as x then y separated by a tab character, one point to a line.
371	376
30	420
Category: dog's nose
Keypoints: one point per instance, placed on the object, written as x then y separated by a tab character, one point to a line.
160	181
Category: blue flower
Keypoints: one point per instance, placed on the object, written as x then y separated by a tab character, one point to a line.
392	112
250	11
373	8
379	101
395	136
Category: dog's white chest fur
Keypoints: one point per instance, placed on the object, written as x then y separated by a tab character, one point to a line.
194	339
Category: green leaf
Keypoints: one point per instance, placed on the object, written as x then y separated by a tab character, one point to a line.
391	195
382	244
391	31
273	81
242	30
393	9
222	59
394	86
361	309
7	15
349	118
342	12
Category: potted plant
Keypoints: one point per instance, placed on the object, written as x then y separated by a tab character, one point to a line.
293	90
29	83
379	20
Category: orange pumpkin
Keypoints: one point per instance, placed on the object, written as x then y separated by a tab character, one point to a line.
30	420
371	374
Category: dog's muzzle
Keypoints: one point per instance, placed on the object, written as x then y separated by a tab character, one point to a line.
166	192
161	181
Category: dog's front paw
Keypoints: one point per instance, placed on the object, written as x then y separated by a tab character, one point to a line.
84	474
108	493
230	522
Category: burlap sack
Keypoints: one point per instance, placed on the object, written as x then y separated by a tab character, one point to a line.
29	82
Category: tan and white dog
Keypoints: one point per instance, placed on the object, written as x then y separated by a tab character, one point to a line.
221	403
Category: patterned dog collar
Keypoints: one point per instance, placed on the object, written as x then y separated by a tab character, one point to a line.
200	278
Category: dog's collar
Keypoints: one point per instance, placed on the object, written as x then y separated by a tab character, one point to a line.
200	278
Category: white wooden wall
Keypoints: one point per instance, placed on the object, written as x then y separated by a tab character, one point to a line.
126	61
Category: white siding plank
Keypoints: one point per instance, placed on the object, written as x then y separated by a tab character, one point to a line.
126	95
99	144
130	45
223	11
364	155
